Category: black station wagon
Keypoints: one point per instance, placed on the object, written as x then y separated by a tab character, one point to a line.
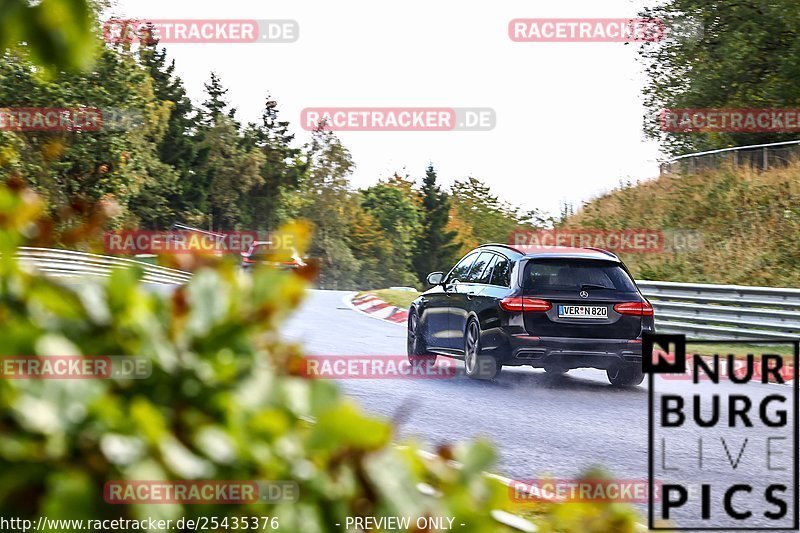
554	308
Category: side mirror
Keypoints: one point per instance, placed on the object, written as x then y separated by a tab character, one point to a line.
435	278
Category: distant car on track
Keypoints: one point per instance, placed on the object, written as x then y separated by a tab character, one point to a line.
555	308
259	252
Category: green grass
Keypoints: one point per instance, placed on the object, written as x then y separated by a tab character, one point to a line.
400	299
729	226
739	350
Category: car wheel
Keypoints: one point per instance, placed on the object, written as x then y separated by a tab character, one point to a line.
625	375
415	345
478	366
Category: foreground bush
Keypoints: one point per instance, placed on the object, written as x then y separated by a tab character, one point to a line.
222	403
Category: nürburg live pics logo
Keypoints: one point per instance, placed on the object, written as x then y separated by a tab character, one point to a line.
723	443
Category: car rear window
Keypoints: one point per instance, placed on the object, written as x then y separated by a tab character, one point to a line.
545	275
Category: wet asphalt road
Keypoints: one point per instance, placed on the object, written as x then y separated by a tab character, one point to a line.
543	424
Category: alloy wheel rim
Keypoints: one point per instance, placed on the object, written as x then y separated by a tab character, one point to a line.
412	331
472	347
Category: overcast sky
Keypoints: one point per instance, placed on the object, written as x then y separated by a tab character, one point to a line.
569	115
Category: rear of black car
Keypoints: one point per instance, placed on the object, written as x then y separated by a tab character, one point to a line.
580	312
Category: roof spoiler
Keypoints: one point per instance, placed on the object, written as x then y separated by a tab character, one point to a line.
602	251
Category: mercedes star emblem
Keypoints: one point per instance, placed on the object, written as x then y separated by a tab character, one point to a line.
584	294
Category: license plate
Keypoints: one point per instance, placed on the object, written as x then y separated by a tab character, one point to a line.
582	311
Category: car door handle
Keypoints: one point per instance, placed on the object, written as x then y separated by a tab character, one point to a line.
470	294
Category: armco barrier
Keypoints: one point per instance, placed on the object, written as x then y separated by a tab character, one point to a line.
68	263
724	311
756	156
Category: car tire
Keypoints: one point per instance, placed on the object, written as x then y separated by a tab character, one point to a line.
556	370
478	366
415	344
625	375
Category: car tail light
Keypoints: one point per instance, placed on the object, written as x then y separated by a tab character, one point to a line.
528	305
634	309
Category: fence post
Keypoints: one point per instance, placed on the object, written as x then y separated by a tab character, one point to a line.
766	158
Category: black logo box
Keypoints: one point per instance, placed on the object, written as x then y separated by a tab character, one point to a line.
649	341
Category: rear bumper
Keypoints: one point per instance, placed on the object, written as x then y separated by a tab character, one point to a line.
570	353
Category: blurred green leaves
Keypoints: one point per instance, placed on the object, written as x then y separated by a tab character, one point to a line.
58	34
223	402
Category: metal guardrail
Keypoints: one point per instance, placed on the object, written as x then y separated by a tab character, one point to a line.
724	311
758	156
68	263
701	310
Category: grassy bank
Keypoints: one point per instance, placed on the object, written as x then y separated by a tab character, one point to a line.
745	224
397	298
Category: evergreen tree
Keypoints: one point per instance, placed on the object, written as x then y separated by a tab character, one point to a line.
281	168
232	172
179	146
216	105
229	164
436	249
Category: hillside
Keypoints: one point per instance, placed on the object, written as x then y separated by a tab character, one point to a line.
748	224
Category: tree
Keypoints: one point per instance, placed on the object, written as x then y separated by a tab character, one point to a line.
721	54
228	164
393	205
216	105
179	145
118	161
232	172
478	216
281	169
435	249
324	198
373	250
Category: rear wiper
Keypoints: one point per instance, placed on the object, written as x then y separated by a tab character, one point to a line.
585	286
